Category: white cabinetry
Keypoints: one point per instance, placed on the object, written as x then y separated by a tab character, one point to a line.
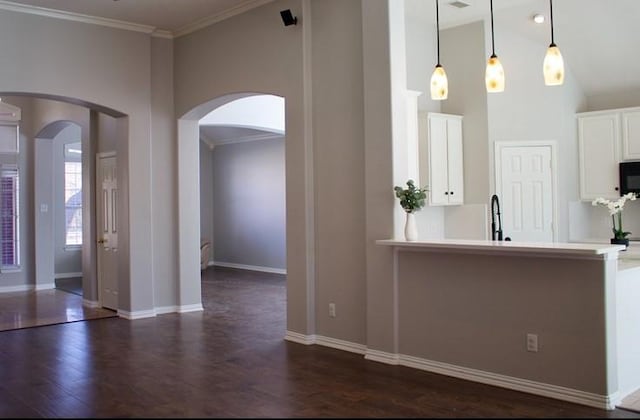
599	145
631	134
444	145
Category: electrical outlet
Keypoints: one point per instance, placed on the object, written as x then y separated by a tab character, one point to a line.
532	342
332	310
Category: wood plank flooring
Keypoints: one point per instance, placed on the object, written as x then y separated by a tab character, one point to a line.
230	360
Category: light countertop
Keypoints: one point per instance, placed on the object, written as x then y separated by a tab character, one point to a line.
569	250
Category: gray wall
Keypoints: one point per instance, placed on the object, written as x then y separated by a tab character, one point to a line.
248	196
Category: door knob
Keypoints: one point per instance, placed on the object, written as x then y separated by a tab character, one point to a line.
101	241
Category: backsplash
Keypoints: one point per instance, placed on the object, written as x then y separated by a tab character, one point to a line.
593	223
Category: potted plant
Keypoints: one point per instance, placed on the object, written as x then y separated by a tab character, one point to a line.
412	199
615	210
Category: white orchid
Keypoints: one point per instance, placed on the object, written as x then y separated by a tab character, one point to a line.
615	207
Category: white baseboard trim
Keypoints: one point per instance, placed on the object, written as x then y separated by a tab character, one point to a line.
90	303
341	344
249	267
20	288
67	275
160	310
606	402
136	314
300	338
509	382
382	357
325	341
195	307
27	287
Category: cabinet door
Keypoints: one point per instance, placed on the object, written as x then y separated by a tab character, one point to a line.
454	160
599	148
438	176
631	135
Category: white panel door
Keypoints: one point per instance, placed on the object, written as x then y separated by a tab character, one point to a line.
527	193
107	226
631	135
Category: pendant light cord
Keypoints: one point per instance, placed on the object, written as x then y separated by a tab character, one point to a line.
553	44
493	46
438	31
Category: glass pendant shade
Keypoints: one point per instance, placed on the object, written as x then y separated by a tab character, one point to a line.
494	75
553	66
439	84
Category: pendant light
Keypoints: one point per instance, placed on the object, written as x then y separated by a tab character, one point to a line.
494	75
439	83
553	65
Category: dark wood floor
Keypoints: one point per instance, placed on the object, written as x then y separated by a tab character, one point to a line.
231	361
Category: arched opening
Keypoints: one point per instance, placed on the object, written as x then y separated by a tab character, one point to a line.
242	194
60	239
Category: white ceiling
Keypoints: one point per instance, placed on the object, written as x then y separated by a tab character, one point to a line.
599	39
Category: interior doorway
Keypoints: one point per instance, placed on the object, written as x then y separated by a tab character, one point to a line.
526	185
242	185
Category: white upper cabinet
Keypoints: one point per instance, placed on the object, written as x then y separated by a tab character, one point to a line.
599	147
444	145
631	134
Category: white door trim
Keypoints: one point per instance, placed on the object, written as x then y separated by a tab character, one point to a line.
553	145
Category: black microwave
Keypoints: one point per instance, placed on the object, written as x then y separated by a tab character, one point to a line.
629	177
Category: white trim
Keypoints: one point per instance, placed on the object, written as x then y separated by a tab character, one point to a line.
67	275
160	310
341	344
136	314
194	307
607	402
20	288
300	338
73	248
249	267
245	139
209	20
104	154
90	303
44	286
382	357
553	145
77	17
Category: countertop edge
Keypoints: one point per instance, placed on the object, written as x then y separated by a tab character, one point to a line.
585	250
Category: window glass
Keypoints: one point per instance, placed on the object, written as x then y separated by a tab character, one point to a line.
73	193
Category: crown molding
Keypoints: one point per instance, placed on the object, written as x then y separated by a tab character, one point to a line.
209	20
77	17
129	26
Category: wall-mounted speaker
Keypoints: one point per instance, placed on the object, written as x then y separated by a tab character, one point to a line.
288	18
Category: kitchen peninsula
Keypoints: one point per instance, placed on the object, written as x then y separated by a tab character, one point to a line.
553	319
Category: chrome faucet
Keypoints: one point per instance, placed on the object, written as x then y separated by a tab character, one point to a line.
495	210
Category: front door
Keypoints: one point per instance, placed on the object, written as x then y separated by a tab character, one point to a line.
526	193
107	226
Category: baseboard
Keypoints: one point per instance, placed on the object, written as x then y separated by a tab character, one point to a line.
249	267
136	314
509	382
67	275
325	341
196	307
90	303
606	402
27	287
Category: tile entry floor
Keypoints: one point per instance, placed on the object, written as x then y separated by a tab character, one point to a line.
45	307
631	402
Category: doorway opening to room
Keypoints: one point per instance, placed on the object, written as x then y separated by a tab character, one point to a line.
242	206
